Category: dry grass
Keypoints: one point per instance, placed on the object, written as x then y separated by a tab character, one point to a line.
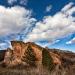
36	71
27	71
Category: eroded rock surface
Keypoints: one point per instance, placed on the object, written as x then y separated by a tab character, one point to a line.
30	54
19	50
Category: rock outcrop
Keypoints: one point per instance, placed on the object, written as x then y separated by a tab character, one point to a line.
19	53
29	54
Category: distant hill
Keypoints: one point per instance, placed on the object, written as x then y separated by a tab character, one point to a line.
2	54
29	54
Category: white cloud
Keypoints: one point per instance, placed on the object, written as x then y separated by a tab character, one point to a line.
48	8
14	19
72	41
3	46
54	27
11	1
23	2
43	44
67	7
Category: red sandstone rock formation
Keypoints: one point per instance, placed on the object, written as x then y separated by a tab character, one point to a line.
19	54
14	56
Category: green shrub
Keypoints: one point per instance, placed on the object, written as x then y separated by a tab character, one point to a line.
29	57
47	60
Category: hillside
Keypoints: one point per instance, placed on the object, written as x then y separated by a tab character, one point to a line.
28	58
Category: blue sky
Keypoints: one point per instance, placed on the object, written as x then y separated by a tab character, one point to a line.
48	23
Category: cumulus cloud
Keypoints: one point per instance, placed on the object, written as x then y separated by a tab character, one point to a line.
72	41
54	27
48	8
14	19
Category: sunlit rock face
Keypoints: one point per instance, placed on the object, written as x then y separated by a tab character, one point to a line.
19	51
7	57
18	48
56	58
